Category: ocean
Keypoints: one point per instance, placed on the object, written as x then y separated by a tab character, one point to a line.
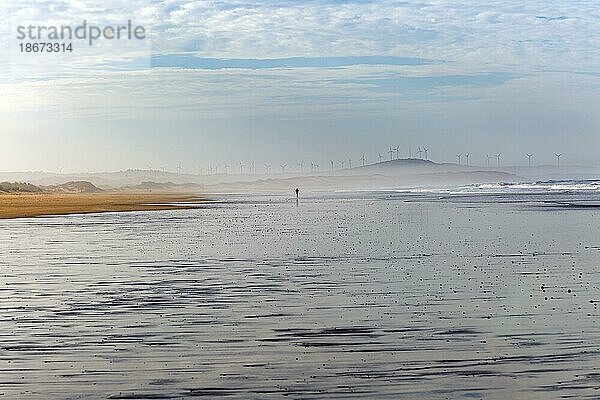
485	291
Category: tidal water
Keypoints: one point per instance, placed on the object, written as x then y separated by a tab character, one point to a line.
369	295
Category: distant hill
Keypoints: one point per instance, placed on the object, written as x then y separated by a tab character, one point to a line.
409	165
407	171
69	187
73	187
19	187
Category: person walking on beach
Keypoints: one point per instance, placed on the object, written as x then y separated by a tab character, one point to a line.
297	192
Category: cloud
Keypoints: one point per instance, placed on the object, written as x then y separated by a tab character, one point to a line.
280	93
497	35
439	68
194	62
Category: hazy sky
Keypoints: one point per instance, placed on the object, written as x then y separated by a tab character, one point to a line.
313	80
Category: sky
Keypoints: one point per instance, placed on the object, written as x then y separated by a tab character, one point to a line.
232	81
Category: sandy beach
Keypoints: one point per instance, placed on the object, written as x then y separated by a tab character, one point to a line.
35	205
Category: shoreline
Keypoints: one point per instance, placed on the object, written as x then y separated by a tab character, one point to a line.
27	205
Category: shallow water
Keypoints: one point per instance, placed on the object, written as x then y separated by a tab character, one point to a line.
354	295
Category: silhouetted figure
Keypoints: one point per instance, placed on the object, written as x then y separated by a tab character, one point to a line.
297	192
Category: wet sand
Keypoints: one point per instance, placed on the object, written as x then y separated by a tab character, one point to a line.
366	296
35	205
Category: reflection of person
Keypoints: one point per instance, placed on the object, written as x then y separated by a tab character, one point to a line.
297	191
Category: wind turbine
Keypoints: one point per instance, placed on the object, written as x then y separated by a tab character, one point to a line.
332	167
420	152
380	157
488	159
391	151
410	152
342	164
397	150
498	158
458	156
268	168
301	165
558	156
529	158
426	150
363	159
253	168
241	167
283	168
179	169
226	169
467	157
349	163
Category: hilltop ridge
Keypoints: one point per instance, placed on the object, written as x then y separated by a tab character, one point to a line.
68	187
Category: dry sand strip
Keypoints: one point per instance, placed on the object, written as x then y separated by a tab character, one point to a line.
35	205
